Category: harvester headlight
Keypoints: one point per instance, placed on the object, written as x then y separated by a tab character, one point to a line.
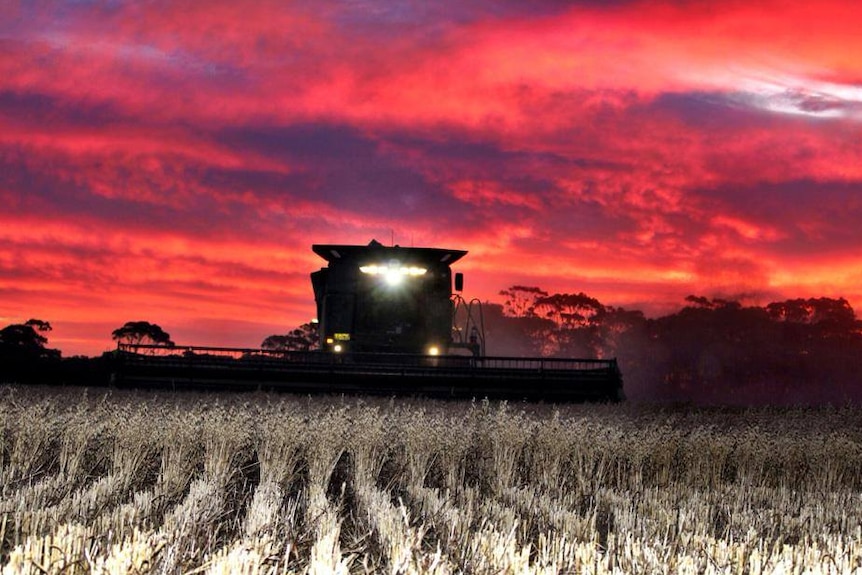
394	272
393	277
433	350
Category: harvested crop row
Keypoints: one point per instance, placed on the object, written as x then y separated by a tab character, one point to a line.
278	484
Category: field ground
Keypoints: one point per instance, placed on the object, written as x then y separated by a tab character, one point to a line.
131	482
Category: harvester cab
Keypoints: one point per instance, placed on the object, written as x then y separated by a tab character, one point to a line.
381	299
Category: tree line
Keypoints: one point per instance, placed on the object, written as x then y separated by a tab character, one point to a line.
26	357
803	349
796	350
28	340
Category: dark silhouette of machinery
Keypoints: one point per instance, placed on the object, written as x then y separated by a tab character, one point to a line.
391	321
390	300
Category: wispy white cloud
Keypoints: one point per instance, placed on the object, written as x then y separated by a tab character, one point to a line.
798	95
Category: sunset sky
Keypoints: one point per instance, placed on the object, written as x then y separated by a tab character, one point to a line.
174	161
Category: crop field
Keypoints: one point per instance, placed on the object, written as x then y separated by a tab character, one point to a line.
97	481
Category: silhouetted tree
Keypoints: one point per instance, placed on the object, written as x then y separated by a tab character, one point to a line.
39	325
570	311
710	341
576	318
831	318
536	333
141	332
821	340
25	341
303	338
521	300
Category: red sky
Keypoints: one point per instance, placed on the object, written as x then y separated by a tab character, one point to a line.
174	161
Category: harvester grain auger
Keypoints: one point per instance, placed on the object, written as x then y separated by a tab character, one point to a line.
390	323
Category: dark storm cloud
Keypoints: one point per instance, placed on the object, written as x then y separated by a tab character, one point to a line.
415	13
707	110
464	148
818	219
55	197
339	165
34	108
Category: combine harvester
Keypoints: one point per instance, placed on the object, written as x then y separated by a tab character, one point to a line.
389	324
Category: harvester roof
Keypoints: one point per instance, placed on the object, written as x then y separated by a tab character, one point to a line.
375	251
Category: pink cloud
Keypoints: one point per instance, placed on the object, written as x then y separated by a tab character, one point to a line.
179	160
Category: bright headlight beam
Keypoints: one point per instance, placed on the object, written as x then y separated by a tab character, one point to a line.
393	278
392	270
